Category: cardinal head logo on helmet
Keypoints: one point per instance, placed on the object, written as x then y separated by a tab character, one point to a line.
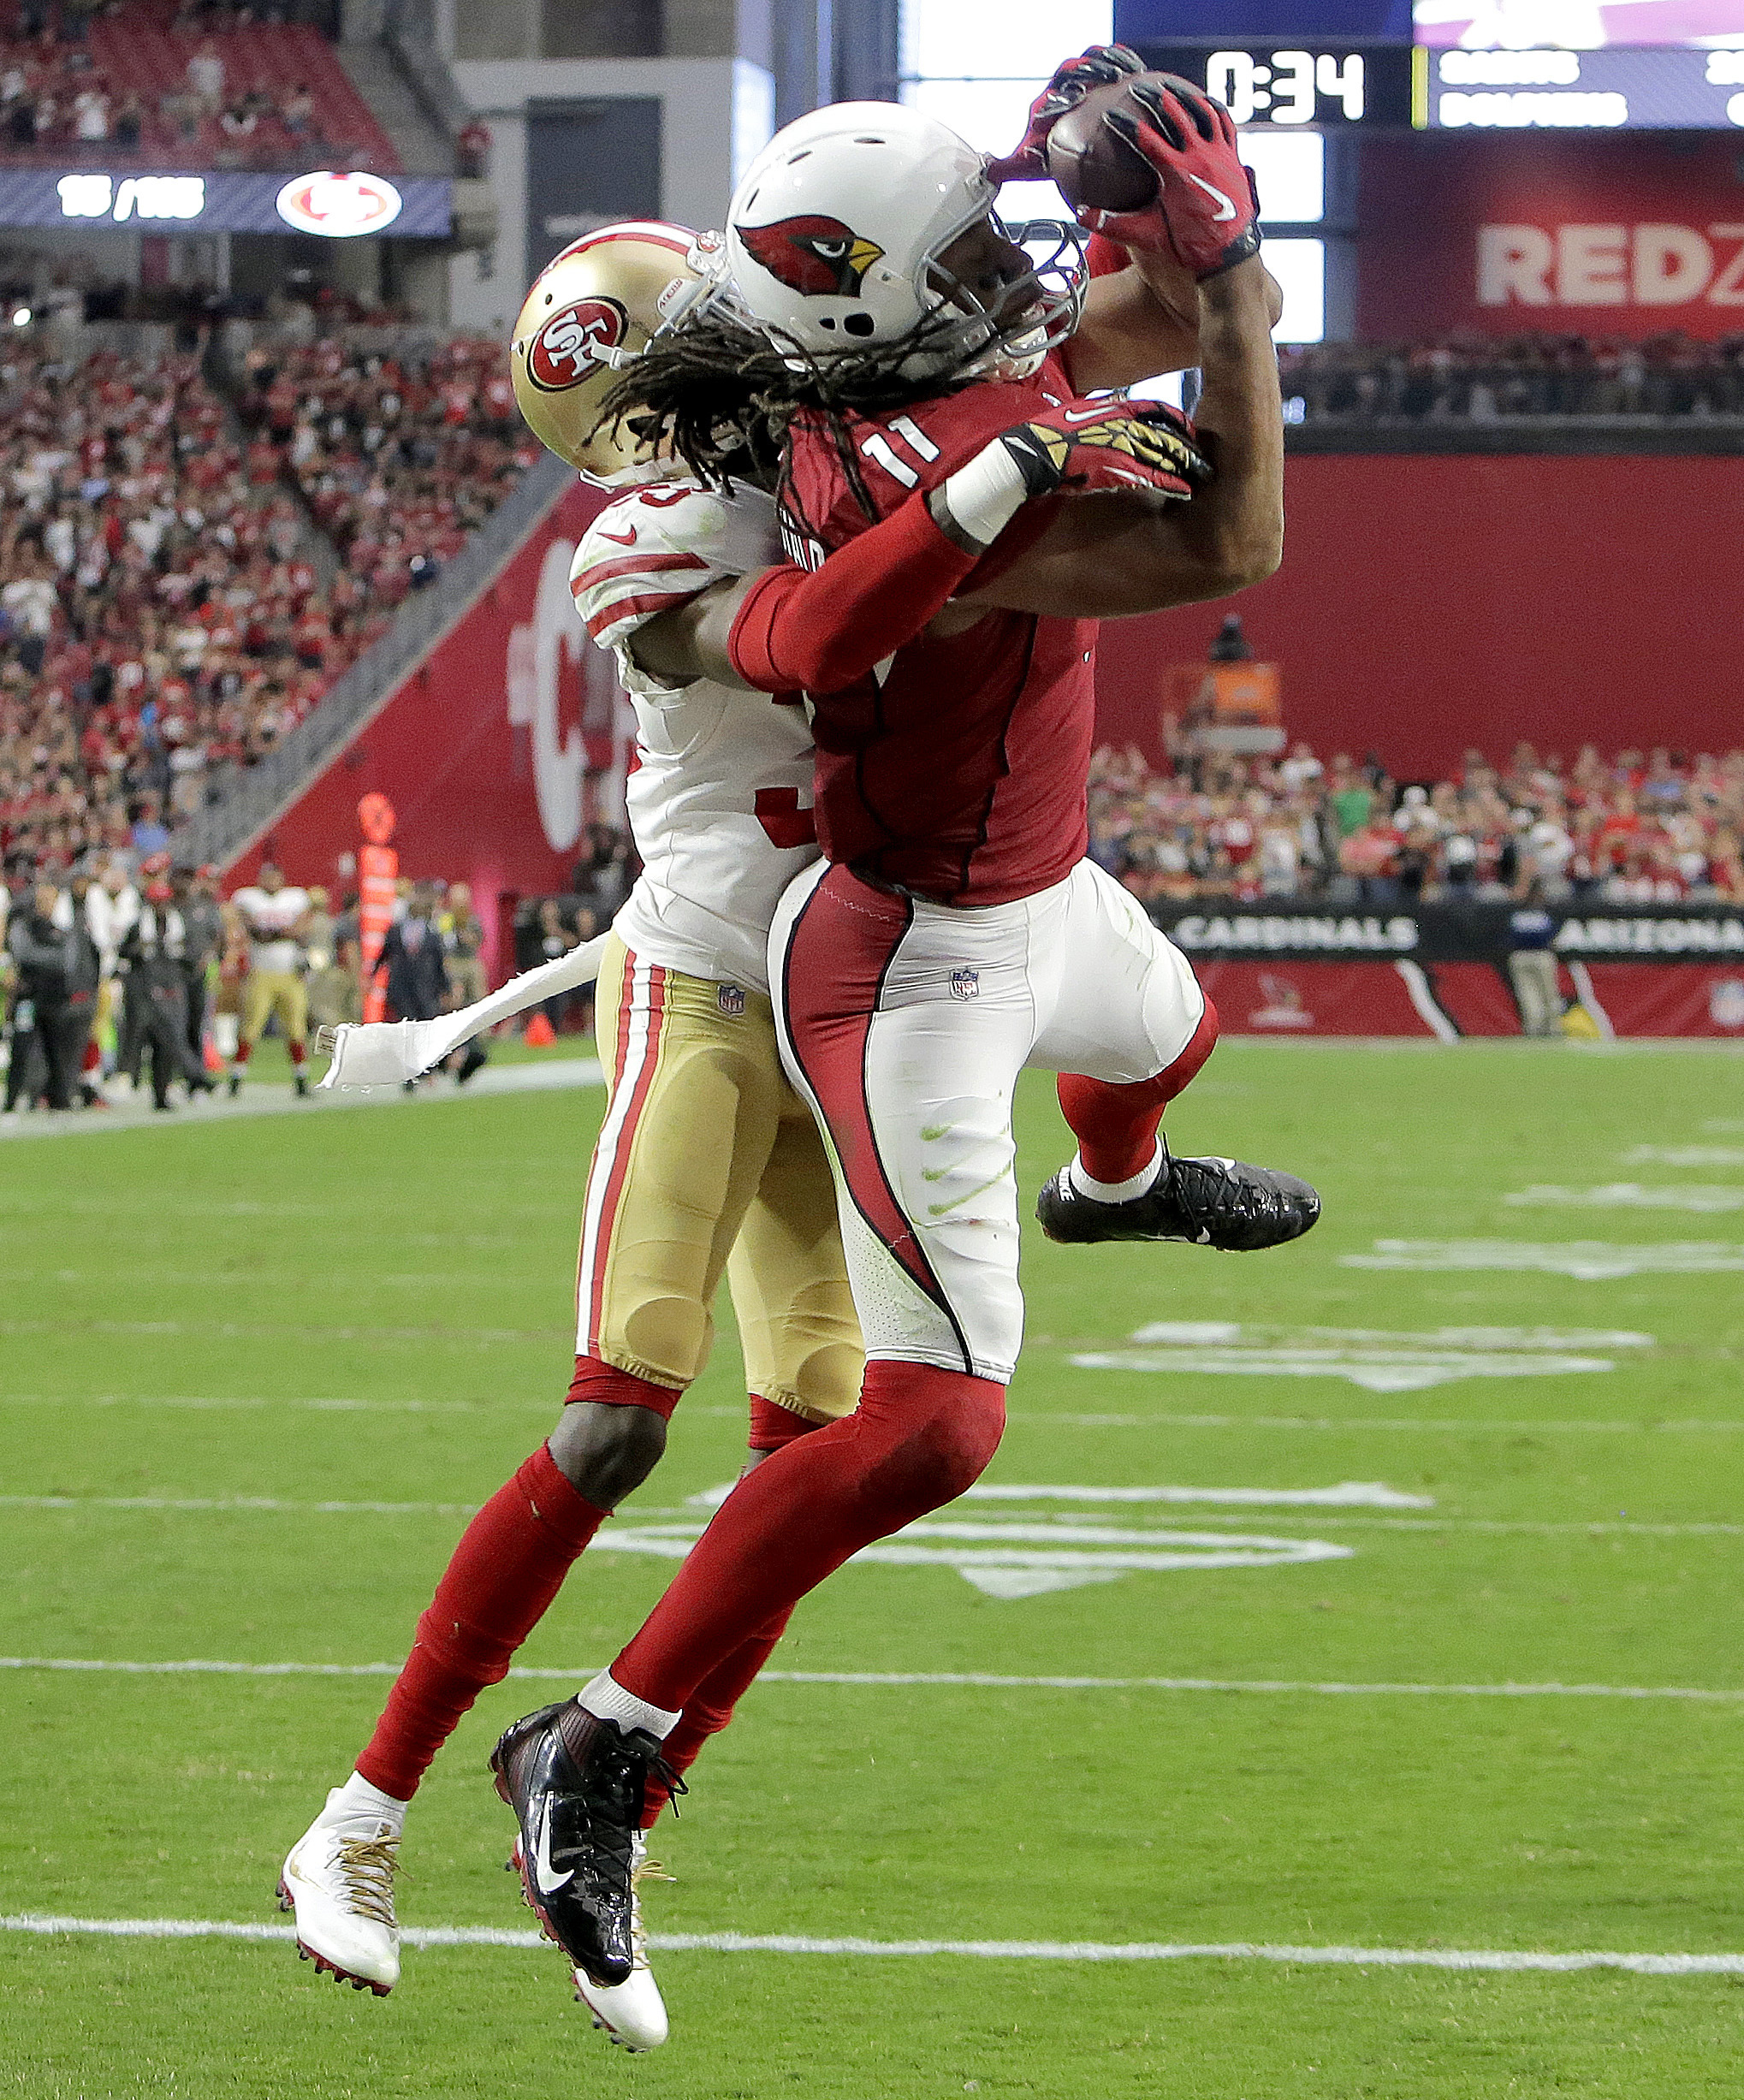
566	350
813	254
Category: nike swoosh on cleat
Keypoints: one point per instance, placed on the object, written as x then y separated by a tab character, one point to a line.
1227	210
545	1881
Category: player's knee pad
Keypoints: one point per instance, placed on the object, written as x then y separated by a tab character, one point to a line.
933	1433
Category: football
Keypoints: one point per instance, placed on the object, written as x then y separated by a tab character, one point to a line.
1091	168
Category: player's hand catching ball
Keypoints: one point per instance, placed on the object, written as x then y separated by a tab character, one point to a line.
1146	159
1113	443
1207	208
1103	65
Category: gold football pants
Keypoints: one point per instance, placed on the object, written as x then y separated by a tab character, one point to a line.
708	1161
274	991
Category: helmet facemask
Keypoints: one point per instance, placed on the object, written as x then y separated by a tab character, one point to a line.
1006	337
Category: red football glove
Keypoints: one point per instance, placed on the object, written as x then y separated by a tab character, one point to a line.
1099	67
1207	209
1112	444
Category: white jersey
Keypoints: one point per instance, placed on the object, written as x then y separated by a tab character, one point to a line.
269	918
720	799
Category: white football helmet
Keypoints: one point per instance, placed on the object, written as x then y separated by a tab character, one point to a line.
593	310
834	233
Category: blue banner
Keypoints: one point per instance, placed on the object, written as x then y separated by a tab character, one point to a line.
338	206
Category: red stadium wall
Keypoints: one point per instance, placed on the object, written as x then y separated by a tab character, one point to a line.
485	751
1575	234
1427	604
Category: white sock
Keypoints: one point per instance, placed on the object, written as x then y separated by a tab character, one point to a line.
357	1797
1114	1191
608	1701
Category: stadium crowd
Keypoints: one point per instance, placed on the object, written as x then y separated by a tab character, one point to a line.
1481	379
144	85
1661	828
400	456
161	616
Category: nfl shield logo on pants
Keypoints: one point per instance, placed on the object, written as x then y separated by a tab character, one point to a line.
730	1001
965	984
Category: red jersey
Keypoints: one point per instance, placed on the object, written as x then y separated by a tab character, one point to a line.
960	773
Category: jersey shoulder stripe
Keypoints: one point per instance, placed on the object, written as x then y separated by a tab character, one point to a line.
651	549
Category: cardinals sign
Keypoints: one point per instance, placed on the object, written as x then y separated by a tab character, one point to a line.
813	255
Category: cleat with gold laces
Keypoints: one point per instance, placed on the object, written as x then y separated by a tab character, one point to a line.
338	1879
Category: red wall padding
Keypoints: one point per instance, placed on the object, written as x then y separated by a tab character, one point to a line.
1429	603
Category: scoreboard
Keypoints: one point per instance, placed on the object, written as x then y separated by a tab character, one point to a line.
1369	86
1619	87
1339	86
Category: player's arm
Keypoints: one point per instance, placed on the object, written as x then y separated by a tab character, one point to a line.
1105	556
1119	554
1141	318
785	629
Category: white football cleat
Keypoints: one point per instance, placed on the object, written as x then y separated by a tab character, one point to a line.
338	1879
632	2015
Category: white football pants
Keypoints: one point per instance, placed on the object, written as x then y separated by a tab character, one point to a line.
906	1024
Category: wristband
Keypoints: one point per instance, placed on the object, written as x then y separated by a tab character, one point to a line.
983	498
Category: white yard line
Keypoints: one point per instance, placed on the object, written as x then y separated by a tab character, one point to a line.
269	1505
1516	1958
878	1679
1444	1426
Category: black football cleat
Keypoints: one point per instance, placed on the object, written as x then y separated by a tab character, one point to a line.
1223	1203
577	1785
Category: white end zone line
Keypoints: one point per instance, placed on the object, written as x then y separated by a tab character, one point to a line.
972	1680
979	1951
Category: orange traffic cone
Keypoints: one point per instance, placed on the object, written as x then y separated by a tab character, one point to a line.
540	1034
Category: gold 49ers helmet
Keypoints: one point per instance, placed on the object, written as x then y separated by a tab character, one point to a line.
593	310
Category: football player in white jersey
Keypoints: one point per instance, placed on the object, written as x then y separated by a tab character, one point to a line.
707	1160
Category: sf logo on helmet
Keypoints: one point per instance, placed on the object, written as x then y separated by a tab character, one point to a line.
566	350
812	255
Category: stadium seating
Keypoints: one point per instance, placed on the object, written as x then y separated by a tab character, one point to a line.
1660	828
172	566
154	89
400	456
1479	380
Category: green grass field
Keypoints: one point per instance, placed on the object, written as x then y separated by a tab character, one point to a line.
372	1306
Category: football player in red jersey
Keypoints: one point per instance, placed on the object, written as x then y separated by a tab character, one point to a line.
955	931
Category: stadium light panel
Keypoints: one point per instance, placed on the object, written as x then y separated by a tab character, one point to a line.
945	39
1290	170
1300	267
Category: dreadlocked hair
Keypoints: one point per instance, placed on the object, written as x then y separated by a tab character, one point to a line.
721	396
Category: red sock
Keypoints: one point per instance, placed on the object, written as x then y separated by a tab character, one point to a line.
299	1054
92	1058
773	1426
508	1566
919	1437
1117	1126
612	1388
244	1051
708	1709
